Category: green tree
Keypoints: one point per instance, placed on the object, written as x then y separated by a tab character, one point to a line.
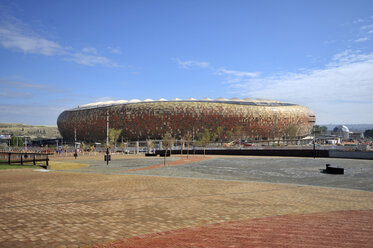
319	130
166	143
291	131
237	132
203	139
213	136
219	132
229	135
368	133
16	141
113	136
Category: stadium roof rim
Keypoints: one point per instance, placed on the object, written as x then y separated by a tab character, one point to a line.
246	101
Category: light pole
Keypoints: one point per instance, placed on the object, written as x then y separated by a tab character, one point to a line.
75	153
107	156
314	142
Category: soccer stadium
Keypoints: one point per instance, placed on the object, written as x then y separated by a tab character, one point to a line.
151	119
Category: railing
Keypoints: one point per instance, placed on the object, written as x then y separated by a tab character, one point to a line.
23	157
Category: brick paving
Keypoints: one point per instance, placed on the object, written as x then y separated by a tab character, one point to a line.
329	229
70	209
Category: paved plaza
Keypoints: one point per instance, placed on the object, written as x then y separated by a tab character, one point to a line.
196	202
303	171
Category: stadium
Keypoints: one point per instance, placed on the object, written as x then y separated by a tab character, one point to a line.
151	119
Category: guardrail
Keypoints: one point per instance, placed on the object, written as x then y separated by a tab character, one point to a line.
24	157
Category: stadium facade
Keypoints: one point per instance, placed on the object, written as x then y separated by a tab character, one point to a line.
149	119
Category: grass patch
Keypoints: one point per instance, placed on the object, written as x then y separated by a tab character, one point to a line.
54	165
16	166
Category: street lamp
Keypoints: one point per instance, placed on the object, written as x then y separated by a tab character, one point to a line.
314	138
107	156
314	141
75	153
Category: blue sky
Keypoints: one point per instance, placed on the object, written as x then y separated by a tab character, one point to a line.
56	55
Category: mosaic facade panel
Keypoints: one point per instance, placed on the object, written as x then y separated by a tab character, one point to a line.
151	120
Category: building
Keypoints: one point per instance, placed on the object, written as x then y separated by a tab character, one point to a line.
149	119
356	135
5	139
341	131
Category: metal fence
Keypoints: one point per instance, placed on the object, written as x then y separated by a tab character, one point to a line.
23	157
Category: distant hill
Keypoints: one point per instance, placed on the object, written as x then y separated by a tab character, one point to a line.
352	127
34	132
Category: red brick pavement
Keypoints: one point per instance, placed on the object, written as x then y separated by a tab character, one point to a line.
327	229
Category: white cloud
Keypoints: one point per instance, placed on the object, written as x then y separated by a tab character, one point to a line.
17	36
339	92
13	37
190	63
13	94
114	50
365	27
92	60
104	99
231	76
18	86
32	113
89	50
239	73
362	39
358	21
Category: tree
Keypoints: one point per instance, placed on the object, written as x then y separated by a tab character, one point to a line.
319	130
368	133
204	139
113	136
229	135
187	139
182	143
84	147
237	132
16	141
213	136
64	147
291	131
219	131
124	146
166	143
150	144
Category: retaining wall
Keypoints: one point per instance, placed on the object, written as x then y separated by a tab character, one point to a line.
344	154
280	152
